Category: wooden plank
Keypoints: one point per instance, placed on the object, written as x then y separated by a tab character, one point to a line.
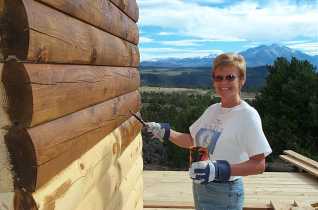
94	174
41	146
301	158
302	205
42	92
310	169
101	14
190	205
168	204
177	188
129	7
278	205
58	38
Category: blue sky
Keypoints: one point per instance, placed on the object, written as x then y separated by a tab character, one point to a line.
188	28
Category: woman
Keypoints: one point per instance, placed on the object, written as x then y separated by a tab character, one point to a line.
231	131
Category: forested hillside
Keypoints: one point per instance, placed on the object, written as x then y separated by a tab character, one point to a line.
288	105
196	77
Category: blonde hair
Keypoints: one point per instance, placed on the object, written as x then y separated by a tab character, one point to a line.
231	59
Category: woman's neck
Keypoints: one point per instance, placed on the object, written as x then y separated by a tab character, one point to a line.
232	102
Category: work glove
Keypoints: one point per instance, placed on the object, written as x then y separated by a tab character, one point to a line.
160	131
203	172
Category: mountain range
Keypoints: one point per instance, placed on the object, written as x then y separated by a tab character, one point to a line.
257	56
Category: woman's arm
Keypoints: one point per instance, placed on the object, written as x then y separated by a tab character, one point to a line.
183	140
255	165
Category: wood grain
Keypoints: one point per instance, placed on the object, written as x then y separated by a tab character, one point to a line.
58	38
130	7
102	14
39	153
40	93
91	180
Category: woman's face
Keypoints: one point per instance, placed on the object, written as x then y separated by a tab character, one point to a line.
227	82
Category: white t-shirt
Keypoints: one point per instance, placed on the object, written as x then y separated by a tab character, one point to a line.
232	134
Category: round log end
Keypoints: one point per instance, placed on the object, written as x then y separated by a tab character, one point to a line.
14	29
18	93
23	158
24	201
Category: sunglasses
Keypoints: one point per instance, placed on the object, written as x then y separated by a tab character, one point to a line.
219	78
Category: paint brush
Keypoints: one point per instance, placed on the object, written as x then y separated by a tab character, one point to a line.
138	118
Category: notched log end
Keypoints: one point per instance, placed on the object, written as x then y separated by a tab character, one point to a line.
14	30
19	93
22	154
24	201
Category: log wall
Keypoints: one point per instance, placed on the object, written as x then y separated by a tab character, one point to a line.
69	79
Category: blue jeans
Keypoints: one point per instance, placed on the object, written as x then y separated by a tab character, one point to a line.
219	196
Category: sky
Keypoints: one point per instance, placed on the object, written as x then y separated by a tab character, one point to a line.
191	28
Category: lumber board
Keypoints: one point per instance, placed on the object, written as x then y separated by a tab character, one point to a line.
278	205
40	93
190	205
302	205
129	7
101	14
309	168
50	153
58	38
93	175
301	158
177	188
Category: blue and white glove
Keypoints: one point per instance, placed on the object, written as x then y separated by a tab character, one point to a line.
206	171
160	131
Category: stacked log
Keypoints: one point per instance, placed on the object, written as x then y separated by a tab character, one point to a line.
70	80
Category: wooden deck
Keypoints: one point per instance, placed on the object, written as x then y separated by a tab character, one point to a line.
173	190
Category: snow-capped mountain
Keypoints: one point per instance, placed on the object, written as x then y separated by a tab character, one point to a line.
257	56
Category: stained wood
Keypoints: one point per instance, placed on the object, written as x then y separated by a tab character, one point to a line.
307	167
130	7
43	92
102	14
93	175
54	145
58	38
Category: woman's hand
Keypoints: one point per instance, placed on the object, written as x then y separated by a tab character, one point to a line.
160	131
206	171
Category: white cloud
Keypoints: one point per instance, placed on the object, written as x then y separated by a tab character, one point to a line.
310	48
143	40
166	33
246	20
